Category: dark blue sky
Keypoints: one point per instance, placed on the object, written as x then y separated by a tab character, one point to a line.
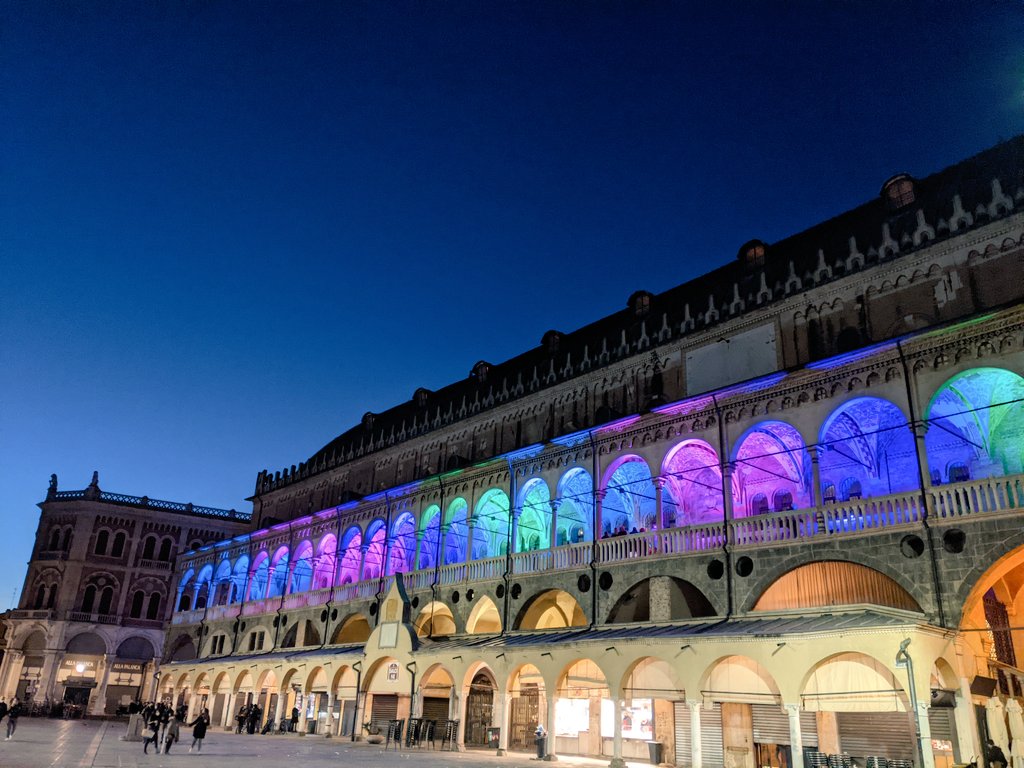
229	229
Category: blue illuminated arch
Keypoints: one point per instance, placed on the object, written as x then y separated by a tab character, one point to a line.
629	502
376	544
302	570
771	461
455	532
402	549
430	523
491	525
534	527
351	558
576	507
866	448
278	573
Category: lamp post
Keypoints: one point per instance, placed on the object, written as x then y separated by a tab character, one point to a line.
903	661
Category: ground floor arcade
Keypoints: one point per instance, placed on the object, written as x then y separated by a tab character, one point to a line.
745	692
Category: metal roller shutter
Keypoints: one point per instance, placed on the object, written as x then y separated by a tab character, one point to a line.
383	708
682	715
942	722
888	734
809	729
710	736
435	708
771	724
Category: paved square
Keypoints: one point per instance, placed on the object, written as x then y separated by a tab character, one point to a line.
40	743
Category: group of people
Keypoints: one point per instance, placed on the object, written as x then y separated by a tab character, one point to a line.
162	727
12	713
250	716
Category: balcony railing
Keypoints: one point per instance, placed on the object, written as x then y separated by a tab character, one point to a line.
850	518
94	618
159	565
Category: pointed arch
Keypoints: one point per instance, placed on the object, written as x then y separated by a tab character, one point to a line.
575	507
629	502
693	485
491	525
430	530
773	469
484	619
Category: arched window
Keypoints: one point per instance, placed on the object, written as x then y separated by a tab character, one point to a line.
66	543
153	610
137	600
958	472
88	599
783	501
165	550
148	548
196	544
759	504
118	549
40	597
852	488
828	492
52	597
101	542
54	540
106	599
184	602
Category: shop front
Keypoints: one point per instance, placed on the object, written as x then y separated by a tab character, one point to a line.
77	677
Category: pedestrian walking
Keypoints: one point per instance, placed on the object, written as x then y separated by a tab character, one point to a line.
13	714
151	733
173	734
199	726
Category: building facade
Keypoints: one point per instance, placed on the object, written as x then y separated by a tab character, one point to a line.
772	512
89	628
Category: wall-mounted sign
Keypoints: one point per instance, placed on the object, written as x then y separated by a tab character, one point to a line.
393	671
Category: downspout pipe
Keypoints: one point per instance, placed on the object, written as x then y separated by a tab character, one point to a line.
726	491
440	547
507	575
357	727
595	533
929	534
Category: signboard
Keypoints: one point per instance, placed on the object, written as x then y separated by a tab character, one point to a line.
393	671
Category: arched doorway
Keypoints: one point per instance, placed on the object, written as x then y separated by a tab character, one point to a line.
551	609
479	708
527	706
436	695
583	711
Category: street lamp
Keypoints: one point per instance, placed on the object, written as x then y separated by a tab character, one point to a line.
903	661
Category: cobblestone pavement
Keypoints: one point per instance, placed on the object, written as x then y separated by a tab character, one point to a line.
42	743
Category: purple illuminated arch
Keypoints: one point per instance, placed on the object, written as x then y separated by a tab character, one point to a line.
204	586
455	532
260	577
376	544
866	448
302	569
772	463
534	528
976	426
693	485
575	507
403	544
239	575
431	527
278	573
351	557
222	583
326	559
491	524
629	501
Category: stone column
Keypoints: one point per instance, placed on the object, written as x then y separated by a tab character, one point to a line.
362	560
99	702
278	708
553	529
659	488
301	698
552	753
14	661
617	761
598	513
920	430
517	512
925	736
470	527
795	736
504	699
227	719
51	663
727	502
416	554
460	707
329	728
696	748
816	496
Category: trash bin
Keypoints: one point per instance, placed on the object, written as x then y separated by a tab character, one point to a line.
654	749
542	745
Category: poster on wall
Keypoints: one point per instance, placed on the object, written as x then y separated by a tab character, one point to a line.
637	719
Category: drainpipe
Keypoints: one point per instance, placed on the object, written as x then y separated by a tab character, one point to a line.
507	575
334	575
439	551
726	491
594	533
384	557
928	532
284	589
411	669
357	727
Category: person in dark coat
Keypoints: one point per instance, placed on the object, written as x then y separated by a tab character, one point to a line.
13	714
995	755
199	726
151	733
